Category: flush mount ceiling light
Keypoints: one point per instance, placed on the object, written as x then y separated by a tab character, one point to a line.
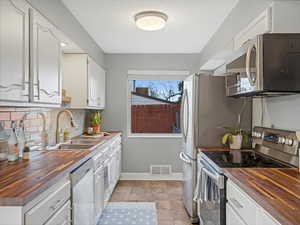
63	44
150	20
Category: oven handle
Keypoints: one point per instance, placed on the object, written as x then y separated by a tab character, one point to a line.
219	179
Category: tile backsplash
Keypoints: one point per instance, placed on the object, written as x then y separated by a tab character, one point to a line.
34	124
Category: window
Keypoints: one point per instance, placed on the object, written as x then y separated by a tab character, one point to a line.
154	103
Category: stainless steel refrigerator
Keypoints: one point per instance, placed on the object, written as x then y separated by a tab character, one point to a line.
205	110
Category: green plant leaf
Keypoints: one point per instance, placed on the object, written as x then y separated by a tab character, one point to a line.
226	138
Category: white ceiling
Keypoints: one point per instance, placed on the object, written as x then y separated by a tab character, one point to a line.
190	25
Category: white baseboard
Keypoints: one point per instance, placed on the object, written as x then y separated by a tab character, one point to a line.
148	176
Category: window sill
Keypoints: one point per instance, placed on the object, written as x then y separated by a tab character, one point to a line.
154	135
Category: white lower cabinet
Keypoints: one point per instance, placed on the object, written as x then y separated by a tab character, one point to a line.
265	219
243	210
62	217
49	208
107	173
232	218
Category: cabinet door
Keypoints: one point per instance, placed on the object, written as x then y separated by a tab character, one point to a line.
99	192
14	50
96	85
92	83
119	163
101	88
232	218
46	61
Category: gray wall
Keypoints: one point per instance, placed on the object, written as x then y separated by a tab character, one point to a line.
60	16
140	153
279	112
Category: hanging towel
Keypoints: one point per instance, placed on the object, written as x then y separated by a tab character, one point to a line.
209	189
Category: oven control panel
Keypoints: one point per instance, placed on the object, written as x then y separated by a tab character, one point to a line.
281	140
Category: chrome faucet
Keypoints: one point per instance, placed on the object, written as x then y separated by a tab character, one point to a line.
72	122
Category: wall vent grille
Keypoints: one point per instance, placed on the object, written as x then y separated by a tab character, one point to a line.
161	169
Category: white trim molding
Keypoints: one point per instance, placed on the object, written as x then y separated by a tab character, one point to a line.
158	72
148	176
131	135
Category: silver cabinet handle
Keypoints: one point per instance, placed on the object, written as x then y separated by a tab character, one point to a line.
55	206
236	203
38	90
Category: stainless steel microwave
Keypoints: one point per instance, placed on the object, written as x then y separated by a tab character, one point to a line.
266	65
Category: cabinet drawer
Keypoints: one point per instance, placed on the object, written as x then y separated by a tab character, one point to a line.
41	212
232	218
241	203
62	216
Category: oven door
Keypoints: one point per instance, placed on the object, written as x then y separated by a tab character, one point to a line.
212	202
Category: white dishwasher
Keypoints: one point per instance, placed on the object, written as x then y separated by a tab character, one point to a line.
82	180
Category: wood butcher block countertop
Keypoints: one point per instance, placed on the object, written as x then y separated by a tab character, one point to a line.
22	181
275	190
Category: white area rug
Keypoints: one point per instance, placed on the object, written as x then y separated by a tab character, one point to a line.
129	213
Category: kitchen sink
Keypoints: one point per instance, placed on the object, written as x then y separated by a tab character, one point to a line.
83	141
74	147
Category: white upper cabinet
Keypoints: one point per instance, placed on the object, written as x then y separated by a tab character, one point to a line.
45	61
260	25
84	81
96	85
14	51
274	19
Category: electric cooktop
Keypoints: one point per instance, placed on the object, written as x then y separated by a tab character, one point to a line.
242	159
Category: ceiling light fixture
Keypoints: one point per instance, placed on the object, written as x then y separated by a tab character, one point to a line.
150	20
63	44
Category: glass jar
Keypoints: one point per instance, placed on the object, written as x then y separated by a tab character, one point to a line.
3	149
13	148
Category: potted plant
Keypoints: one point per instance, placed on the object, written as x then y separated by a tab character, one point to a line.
236	137
96	120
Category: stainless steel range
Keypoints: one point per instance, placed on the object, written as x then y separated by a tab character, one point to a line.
272	148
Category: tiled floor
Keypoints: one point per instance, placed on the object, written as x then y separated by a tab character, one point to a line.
167	195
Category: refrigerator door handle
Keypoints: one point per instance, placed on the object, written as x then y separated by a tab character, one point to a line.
181	115
184	158
184	124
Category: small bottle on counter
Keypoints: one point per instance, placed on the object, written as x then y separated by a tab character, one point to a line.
13	148
66	135
26	153
3	142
